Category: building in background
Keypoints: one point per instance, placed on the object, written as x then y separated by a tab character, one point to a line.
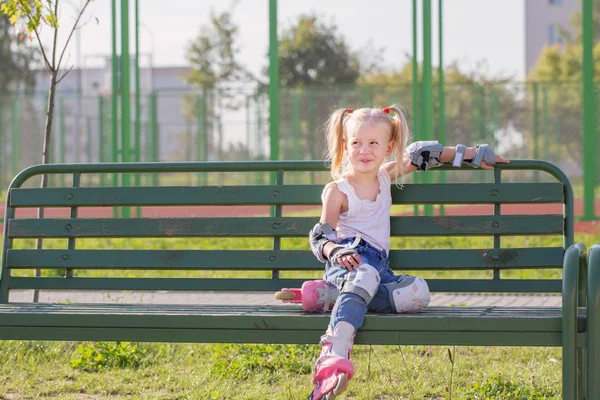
544	20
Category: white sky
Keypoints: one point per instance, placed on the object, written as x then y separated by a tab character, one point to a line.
490	31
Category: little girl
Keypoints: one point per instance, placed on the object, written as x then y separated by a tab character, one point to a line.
353	235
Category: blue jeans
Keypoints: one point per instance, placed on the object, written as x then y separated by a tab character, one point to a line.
350	307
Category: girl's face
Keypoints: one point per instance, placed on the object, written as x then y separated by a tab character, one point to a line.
368	147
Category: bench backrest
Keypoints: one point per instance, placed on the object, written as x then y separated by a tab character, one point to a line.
273	254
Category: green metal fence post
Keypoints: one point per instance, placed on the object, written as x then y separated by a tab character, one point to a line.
441	92
63	133
102	137
427	89
296	133
114	97
248	130
415	89
90	136
477	118
545	125
312	123
590	142
536	127
3	165
273	86
16	135
125	97
155	138
138	101
201	136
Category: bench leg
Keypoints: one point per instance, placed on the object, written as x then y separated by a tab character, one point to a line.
572	371
582	375
593	324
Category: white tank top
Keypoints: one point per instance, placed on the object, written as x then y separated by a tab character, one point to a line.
370	219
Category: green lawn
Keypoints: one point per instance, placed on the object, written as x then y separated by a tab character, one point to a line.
224	371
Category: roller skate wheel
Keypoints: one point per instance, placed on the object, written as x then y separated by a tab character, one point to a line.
284	295
341	386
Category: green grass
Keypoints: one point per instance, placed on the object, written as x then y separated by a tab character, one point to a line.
227	371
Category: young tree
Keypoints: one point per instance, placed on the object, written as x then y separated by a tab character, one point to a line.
31	17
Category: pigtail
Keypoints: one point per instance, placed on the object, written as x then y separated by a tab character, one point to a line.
400	136
335	141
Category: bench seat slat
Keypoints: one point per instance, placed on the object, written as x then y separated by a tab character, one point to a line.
512	258
451	193
272	285
535	319
276	227
294	336
280	324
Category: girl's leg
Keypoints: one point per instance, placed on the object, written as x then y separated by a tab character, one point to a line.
400	294
333	368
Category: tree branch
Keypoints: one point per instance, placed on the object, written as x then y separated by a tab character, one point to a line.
37	36
54	66
63	75
72	31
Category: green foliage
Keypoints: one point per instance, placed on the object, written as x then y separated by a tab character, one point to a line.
243	361
577	24
500	388
312	52
103	355
33	13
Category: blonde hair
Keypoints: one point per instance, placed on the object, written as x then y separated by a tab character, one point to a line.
343	119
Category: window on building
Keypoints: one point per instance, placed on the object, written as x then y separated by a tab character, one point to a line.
554	36
555	2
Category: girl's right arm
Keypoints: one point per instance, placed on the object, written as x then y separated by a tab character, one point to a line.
333	206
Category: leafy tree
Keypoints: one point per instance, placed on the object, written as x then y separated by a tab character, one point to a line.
312	52
29	17
216	70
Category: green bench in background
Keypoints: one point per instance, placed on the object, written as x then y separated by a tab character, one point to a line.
573	326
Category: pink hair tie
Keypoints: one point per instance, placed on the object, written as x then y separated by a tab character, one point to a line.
386	110
349	111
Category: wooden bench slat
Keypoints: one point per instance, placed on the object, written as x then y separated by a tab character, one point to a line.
293	336
512	258
452	193
482	319
272	285
276	227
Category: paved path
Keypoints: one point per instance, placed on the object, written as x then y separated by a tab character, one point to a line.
258	298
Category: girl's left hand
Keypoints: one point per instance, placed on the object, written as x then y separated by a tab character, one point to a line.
498	160
470	154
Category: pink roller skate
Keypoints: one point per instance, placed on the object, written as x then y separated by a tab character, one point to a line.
314	295
333	368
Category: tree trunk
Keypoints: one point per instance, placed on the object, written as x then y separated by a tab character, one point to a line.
46	158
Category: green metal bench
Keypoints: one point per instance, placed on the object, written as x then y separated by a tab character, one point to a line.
482	326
